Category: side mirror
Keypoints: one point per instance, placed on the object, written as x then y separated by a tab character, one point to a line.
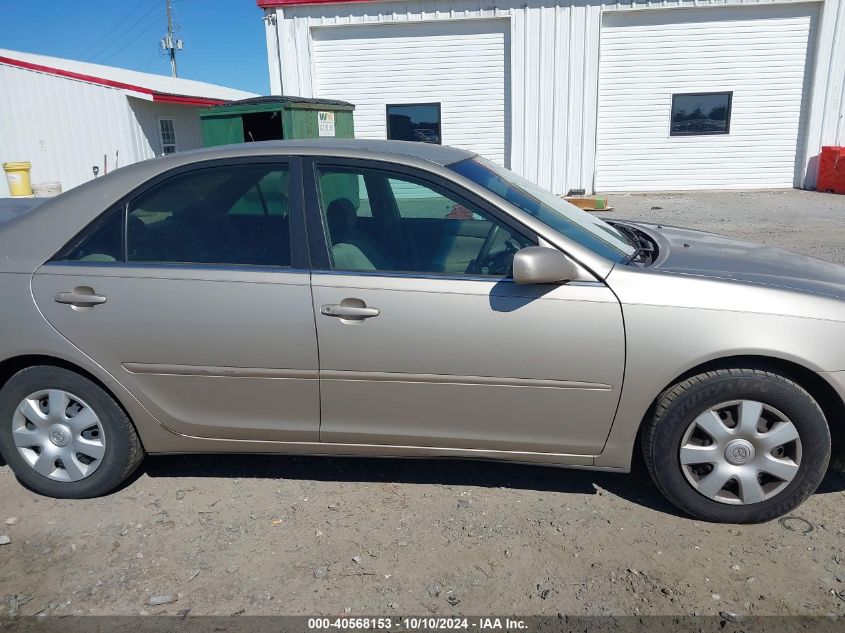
542	265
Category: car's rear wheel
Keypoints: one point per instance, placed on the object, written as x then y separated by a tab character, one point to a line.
736	445
63	435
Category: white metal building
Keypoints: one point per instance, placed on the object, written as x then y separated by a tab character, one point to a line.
65	116
631	96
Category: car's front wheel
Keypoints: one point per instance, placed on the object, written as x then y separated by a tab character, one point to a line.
736	445
63	435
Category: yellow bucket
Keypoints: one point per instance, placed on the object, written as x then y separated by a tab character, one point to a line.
18	176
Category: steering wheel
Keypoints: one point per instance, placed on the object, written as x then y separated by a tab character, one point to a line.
483	260
502	263
478	264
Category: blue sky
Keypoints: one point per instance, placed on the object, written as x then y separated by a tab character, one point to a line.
224	39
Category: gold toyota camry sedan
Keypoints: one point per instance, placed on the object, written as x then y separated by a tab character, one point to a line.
386	298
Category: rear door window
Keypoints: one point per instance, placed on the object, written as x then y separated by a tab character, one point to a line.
236	215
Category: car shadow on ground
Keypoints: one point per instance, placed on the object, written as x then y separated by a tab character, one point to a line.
635	487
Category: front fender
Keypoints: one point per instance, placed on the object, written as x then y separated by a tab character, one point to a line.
671	328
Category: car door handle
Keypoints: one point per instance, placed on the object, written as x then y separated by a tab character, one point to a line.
77	298
349	312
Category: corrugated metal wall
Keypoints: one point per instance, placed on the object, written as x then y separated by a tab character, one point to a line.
64	127
556	56
827	110
554	70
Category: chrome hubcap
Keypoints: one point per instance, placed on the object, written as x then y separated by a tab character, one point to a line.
740	452
59	435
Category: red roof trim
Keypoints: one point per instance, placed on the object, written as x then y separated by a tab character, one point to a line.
73	75
161	97
269	4
157	96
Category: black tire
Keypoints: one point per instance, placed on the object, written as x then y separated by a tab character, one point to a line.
123	450
679	405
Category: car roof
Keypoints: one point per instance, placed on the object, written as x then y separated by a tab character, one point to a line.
438	154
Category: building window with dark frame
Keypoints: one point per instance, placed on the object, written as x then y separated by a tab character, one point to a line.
167	130
701	113
414	122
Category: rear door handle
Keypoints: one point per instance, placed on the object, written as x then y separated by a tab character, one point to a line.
348	311
78	297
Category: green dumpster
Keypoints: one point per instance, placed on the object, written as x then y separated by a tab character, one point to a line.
275	118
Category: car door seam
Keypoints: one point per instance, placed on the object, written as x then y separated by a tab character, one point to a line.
319	362
624	371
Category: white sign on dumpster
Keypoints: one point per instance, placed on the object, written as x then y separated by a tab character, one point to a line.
325	123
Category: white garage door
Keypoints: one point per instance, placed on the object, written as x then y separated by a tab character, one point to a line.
459	64
760	55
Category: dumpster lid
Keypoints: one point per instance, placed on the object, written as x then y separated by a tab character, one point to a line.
285	99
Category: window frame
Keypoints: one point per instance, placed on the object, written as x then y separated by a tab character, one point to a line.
717	93
90	229
318	235
161	142
439	106
298	237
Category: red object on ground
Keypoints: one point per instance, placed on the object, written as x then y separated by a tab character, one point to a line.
831	170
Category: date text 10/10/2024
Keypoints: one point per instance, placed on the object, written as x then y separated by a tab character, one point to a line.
417	623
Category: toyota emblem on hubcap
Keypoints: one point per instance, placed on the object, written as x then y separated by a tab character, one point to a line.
60	435
739	452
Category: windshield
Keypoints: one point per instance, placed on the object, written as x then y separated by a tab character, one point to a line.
555	212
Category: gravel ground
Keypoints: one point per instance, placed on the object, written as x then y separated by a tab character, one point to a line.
283	535
803	221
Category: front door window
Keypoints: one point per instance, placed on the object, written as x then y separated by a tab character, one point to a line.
381	221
